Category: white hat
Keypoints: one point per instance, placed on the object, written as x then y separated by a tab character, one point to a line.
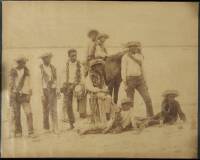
21	59
132	43
46	55
170	92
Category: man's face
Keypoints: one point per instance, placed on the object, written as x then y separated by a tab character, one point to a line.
126	106
170	98
73	56
96	81
21	64
134	49
47	60
102	40
93	36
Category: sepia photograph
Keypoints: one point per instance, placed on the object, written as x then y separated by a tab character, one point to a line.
99	79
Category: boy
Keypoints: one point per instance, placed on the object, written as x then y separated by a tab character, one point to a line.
101	51
72	78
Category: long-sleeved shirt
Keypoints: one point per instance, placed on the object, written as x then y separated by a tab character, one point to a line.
16	76
130	67
100	51
49	77
171	111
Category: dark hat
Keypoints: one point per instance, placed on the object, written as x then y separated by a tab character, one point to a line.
21	59
170	92
132	44
126	100
96	61
93	31
46	55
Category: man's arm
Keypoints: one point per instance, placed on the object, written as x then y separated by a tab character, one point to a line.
123	68
138	58
91	50
12	77
180	112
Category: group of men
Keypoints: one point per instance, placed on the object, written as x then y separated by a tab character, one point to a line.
105	114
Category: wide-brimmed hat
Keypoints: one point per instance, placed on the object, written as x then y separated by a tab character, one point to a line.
96	61
46	55
126	100
103	35
170	92
21	59
132	44
93	31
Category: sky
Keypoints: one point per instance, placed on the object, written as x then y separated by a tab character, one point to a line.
54	24
29	27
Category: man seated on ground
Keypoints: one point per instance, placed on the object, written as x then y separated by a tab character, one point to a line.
170	111
122	119
100	101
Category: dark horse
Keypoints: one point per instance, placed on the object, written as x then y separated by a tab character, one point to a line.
113	73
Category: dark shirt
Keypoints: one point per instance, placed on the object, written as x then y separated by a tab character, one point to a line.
171	111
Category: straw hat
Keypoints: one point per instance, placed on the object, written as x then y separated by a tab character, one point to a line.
21	59
170	92
126	100
96	61
132	44
46	55
103	35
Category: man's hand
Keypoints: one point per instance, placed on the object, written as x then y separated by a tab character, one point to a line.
125	85
161	123
30	92
58	94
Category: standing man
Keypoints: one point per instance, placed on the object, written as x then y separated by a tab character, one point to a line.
73	78
49	98
20	95
92	35
101	51
133	75
91	49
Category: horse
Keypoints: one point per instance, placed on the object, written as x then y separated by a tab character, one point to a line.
113	74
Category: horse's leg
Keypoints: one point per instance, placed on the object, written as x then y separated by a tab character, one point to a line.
110	87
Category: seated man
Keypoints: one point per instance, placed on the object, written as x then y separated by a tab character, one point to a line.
99	99
170	111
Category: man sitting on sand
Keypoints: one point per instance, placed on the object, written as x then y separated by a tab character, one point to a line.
170	111
122	119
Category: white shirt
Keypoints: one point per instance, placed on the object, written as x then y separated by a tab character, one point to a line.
26	87
48	71
100	52
129	67
127	118
72	71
